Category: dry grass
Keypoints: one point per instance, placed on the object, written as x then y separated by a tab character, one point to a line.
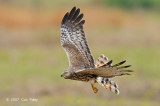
21	17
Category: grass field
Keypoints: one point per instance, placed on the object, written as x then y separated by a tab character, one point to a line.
31	58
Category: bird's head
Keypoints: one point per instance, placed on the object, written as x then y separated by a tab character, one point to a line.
66	74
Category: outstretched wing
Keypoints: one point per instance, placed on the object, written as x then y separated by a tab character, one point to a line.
107	71
74	42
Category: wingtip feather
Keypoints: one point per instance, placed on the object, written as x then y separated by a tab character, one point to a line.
78	19
65	18
82	22
110	62
73	16
72	12
122	62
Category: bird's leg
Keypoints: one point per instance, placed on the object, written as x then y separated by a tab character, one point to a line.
95	90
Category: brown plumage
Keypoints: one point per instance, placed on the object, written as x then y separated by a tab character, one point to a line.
105	82
81	63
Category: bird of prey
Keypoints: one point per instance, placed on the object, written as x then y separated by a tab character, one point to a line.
81	64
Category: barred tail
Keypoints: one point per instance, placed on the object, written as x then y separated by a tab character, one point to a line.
108	84
105	82
102	60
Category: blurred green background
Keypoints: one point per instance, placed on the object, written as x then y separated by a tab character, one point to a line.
31	58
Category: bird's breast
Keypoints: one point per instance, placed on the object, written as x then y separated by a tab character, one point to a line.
83	77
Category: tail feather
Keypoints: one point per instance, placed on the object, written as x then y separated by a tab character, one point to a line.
110	71
102	60
108	84
105	82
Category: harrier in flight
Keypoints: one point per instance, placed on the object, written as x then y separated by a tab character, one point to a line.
81	64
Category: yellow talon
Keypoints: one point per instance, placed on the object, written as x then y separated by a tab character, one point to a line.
95	90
